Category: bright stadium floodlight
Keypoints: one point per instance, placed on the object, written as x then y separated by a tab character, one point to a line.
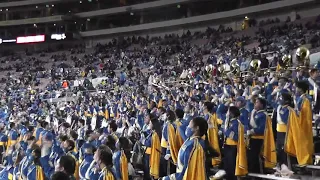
58	37
30	39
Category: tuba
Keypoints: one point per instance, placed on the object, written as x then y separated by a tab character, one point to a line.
255	65
235	68
221	69
303	56
286	61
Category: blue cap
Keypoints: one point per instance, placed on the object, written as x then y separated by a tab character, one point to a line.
87	146
241	99
48	136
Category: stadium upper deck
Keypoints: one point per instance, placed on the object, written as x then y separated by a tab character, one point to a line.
95	18
57	16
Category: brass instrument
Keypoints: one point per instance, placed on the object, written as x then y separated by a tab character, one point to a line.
286	61
255	65
303	56
235	67
209	69
221	69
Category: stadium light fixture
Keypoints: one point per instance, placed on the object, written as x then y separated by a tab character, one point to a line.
58	37
30	39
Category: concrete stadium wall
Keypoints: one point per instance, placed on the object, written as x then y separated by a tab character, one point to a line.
305	11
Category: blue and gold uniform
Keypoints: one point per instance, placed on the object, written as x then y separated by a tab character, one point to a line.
120	165
35	172
213	136
261	141
244	117
12	138
152	155
76	172
87	160
24	165
191	161
106	174
3	143
5	173
235	158
299	139
221	113
170	136
91	172
164	139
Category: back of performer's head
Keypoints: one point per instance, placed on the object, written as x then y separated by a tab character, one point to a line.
199	126
111	142
234	112
171	115
179	113
73	135
286	99
104	155
66	164
260	104
60	176
209	106
156	126
113	126
302	87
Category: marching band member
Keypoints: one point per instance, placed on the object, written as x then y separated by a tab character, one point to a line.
153	151
178	123
12	135
244	113
299	140
68	147
261	138
187	117
67	165
120	160
169	135
35	171
284	116
87	160
212	134
235	159
104	161
191	156
3	141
